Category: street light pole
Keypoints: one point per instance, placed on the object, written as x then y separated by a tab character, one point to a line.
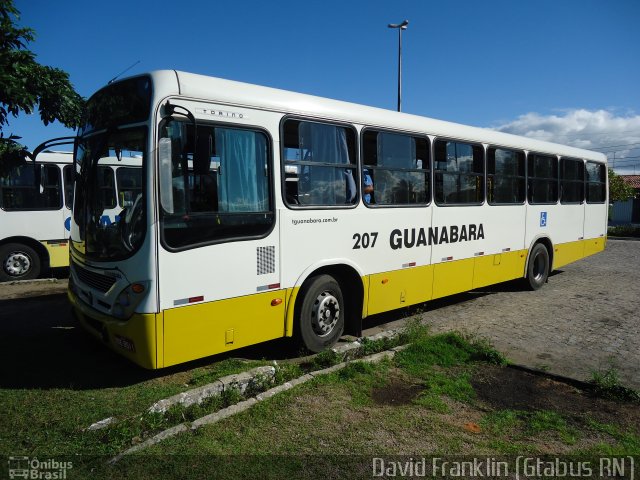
400	26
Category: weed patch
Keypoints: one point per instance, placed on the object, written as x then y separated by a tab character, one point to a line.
606	384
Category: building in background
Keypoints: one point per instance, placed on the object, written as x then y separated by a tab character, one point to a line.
627	212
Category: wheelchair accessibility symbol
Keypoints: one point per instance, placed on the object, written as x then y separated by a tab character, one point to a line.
543	219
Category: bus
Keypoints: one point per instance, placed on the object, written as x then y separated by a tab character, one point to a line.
266	214
35	210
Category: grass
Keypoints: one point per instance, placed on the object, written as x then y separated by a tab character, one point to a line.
306	426
606	384
57	417
423	400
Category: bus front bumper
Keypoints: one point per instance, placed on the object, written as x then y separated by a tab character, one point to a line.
135	338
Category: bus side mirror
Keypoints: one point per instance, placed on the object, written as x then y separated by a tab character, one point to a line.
166	174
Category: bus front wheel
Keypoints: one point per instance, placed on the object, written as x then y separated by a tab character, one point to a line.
19	262
538	267
321	317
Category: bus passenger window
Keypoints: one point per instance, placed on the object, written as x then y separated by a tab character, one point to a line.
505	176
543	178
572	180
67	174
19	191
319	164
220	186
396	169
459	173
596	178
129	182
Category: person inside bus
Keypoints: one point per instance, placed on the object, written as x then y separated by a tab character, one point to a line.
368	186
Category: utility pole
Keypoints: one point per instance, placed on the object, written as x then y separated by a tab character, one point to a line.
400	26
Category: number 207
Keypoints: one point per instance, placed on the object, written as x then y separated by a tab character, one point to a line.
365	240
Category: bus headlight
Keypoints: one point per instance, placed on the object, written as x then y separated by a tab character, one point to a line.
123	299
128	299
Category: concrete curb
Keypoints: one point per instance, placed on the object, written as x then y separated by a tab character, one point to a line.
239	407
35	281
239	381
168	433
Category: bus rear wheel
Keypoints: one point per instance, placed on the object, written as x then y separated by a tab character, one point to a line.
321	317
19	262
538	267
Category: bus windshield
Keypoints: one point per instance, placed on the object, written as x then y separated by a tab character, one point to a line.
112	133
93	232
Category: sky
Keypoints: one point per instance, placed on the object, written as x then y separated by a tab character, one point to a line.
560	70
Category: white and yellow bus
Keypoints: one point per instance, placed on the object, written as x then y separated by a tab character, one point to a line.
35	210
267	214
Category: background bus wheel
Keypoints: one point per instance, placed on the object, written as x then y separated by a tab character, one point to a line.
321	318
538	268
19	262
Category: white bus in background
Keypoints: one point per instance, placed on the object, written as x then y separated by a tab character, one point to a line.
267	214
35	220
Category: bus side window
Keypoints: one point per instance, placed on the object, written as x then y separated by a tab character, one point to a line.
129	185
67	174
396	169
459	173
596	179
319	164
19	191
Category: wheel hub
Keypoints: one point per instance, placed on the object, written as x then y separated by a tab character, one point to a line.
17	263
325	314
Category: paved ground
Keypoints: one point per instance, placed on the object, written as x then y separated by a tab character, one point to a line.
586	318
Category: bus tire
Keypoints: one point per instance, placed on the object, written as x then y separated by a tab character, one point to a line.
538	267
322	313
19	262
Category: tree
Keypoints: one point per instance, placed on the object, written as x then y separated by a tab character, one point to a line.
26	85
619	191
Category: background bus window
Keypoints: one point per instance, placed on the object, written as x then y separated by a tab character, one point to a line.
106	188
67	174
222	191
543	179
572	180
459	173
319	164
396	166
129	185
19	191
505	176
596	182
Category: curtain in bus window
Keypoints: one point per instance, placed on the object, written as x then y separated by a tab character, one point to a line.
242	182
325	185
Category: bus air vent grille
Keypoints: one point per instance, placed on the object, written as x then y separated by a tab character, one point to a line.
266	260
95	280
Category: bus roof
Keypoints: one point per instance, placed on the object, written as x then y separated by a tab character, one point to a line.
239	94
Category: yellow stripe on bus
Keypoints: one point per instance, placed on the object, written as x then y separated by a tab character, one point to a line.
565	253
58	254
204	329
594	245
399	288
501	267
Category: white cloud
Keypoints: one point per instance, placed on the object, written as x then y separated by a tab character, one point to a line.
595	130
